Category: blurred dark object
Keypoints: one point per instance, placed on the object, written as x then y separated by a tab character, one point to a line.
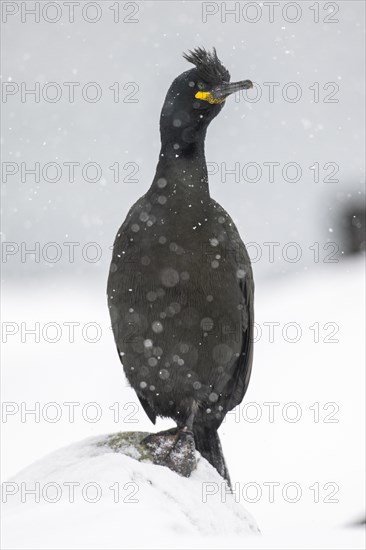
353	229
358	523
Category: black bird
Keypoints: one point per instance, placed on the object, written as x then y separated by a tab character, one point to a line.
180	287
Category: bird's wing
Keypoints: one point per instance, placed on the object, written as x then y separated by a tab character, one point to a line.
145	405
243	366
122	247
148	409
121	244
239	379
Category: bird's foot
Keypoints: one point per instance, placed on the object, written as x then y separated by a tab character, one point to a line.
161	443
182	457
174	449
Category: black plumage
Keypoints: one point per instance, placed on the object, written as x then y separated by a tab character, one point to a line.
180	287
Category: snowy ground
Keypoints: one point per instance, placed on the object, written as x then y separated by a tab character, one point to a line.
136	502
321	455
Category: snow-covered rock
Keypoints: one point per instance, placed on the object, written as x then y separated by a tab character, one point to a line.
104	492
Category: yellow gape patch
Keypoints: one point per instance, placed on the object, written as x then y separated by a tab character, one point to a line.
206	96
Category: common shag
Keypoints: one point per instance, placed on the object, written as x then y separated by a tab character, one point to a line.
180	287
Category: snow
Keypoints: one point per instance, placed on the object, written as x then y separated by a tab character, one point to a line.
118	502
91	497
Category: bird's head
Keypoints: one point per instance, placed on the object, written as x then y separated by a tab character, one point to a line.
196	97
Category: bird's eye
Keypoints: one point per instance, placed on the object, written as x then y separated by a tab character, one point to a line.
201	86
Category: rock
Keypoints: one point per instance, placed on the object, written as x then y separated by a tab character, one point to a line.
170	448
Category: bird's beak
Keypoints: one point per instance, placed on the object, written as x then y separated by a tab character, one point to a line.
219	93
222	91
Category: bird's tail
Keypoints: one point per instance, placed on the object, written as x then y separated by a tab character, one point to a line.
208	444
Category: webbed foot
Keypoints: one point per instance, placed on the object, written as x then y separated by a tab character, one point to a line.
174	449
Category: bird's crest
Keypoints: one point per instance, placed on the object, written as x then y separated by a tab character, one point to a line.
208	65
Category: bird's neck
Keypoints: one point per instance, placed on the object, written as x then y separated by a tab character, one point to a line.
183	166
